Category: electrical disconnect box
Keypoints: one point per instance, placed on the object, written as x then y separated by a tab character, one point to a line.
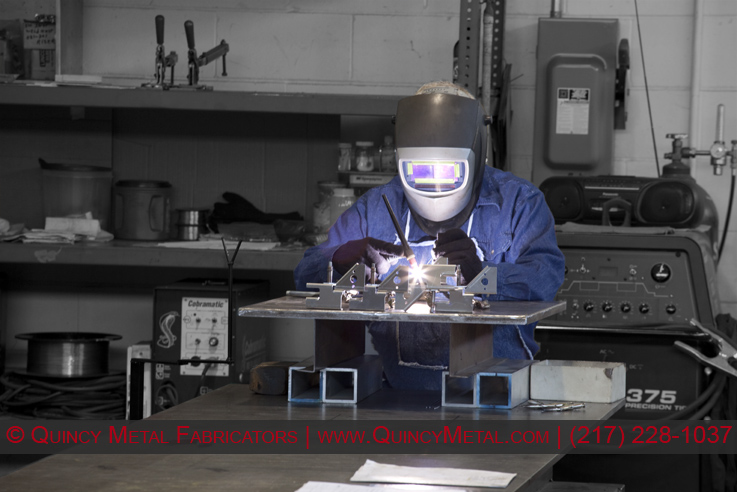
575	105
191	323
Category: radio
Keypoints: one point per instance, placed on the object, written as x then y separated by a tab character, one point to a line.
677	202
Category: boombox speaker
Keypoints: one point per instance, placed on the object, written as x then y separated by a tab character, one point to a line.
628	200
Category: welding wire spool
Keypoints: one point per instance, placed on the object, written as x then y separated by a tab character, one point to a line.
65	354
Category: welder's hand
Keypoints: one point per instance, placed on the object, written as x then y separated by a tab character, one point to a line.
460	250
368	251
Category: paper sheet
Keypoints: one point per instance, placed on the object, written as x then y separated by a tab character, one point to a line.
344	487
372	471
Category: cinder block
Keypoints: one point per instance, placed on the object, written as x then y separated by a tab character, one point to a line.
571	380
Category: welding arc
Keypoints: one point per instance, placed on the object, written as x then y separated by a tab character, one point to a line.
407	250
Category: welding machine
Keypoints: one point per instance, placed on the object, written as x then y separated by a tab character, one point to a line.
630	293
191	320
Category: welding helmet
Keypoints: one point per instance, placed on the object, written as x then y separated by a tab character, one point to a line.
440	134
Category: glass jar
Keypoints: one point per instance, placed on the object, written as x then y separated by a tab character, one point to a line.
388	156
344	156
321	211
364	156
341	201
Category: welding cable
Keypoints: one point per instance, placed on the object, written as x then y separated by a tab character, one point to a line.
99	398
726	221
166	396
104	383
205	368
714	388
712	401
710	395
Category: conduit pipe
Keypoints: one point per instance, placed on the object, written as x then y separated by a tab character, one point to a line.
698	35
487	48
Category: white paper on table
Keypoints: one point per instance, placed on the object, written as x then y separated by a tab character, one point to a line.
344	487
372	471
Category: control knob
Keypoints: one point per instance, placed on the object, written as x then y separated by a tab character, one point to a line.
660	272
625	307
606	306
588	306
644	308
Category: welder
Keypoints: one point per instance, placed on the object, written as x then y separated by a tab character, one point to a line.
450	204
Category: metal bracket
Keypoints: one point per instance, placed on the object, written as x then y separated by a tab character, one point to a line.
327	297
406	289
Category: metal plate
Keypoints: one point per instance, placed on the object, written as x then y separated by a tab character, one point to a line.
499	312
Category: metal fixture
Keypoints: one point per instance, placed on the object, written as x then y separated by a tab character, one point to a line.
162	61
402	288
717	152
194	62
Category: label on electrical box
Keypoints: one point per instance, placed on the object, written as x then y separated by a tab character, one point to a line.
572	117
204	335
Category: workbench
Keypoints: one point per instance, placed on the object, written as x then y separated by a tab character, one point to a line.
282	472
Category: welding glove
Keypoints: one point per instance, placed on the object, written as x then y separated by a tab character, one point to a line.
238	209
368	251
460	250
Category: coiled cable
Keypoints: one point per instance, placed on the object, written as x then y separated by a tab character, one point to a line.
100	398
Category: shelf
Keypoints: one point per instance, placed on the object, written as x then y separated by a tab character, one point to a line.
182	99
136	254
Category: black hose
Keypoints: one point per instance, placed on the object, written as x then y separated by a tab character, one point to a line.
712	401
726	220
711	390
100	398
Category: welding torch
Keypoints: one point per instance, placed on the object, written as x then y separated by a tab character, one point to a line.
408	253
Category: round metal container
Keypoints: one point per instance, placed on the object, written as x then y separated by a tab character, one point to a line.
191	223
63	354
191	216
142	210
188	232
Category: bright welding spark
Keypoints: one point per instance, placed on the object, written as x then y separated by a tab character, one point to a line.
415	272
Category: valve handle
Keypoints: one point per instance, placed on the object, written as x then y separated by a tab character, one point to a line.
159	29
189	31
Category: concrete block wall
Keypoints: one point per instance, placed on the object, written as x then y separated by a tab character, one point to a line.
667	41
316	46
392	47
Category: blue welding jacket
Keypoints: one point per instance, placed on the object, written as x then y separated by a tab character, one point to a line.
513	229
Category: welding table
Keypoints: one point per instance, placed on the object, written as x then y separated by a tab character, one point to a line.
340	334
287	472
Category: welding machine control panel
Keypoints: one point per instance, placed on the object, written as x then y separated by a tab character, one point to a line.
204	334
626	288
